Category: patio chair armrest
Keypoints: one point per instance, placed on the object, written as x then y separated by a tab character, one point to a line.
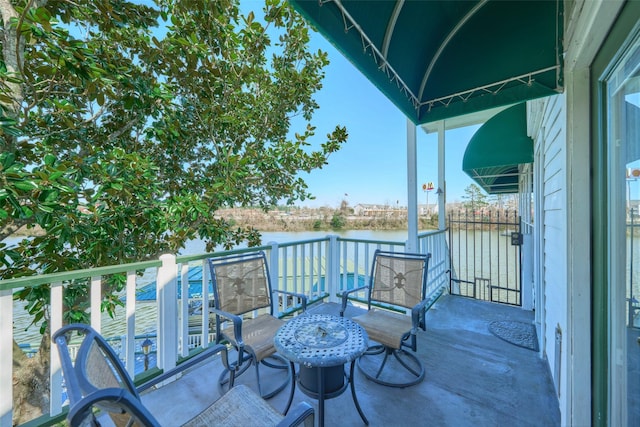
301	414
203	355
237	324
303	297
345	297
237	336
417	312
115	396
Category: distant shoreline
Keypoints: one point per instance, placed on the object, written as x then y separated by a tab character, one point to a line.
305	220
323	219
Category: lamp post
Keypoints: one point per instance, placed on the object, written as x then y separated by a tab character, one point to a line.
146	349
426	188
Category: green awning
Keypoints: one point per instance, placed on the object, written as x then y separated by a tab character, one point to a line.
440	59
496	151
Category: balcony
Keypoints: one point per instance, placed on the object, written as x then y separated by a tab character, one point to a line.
473	377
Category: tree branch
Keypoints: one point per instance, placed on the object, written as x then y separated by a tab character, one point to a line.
12	227
11	46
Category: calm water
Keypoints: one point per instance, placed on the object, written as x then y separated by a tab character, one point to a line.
195	247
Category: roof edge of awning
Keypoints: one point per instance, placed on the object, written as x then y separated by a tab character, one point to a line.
335	22
514	90
497	149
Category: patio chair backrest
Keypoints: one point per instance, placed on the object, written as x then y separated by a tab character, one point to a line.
98	380
97	369
241	283
399	279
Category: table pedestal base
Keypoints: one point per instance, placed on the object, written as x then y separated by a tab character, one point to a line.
322	345
324	383
333	380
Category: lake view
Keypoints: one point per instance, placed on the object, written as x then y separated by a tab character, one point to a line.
197	246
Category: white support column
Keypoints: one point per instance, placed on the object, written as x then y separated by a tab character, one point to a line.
55	372
206	278
527	271
96	302
274	275
184	306
442	184
166	295
6	357
130	309
333	268
412	188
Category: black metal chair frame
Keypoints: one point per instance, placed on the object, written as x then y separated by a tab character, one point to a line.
246	355
85	396
409	339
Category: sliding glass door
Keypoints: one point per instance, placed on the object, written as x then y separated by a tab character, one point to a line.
620	90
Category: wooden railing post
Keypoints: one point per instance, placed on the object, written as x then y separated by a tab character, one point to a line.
166	295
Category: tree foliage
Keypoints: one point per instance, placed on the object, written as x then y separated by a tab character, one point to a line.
338	221
125	127
474	198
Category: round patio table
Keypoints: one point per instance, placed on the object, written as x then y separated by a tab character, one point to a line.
322	344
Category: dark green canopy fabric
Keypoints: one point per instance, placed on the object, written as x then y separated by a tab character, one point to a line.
440	59
496	150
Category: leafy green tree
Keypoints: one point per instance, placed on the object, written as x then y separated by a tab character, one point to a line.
474	198
125	127
337	221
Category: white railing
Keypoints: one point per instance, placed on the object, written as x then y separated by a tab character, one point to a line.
356	258
435	243
57	282
321	269
300	267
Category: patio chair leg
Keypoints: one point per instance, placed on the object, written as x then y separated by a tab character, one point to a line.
232	379
275	365
353	393
228	375
417	373
283	365
386	356
258	379
375	349
293	387
417	370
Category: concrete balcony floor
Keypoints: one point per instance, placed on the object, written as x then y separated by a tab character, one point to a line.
473	378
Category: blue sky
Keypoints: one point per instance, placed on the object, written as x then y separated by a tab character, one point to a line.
372	167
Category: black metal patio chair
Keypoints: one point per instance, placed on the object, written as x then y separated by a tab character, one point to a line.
398	280
244	310
101	392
